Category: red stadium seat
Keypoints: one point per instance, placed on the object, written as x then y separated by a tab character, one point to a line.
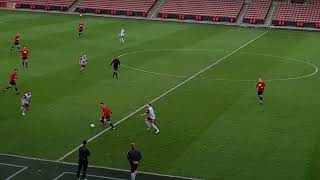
216	10
119	7
298	14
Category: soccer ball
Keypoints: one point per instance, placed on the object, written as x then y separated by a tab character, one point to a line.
92	125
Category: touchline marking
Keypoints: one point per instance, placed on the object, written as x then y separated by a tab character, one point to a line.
15	174
88	175
14	165
165	93
100	167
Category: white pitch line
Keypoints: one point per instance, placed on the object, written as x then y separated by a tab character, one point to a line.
155	73
91	175
12	165
165	93
100	167
15	174
316	69
60	176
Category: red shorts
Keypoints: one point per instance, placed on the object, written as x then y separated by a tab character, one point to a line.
151	120
133	167
27	106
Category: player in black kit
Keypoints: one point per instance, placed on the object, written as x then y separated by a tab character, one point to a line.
116	64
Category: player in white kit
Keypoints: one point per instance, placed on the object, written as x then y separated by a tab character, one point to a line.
122	34
25	102
83	62
151	118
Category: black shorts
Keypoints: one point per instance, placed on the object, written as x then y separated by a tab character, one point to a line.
16	43
80	30
260	93
13	83
115	68
102	119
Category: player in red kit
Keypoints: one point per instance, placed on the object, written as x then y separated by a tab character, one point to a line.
16	42
106	115
260	86
13	79
24	56
81	28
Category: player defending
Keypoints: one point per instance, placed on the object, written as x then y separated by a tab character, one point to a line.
83	62
106	116
260	86
122	33
151	118
16	43
13	78
24	56
81	28
25	102
116	64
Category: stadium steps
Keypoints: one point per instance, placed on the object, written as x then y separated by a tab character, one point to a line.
153	13
242	12
74	6
273	8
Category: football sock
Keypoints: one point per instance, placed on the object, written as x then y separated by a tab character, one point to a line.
132	176
23	63
111	125
116	75
148	124
16	89
155	127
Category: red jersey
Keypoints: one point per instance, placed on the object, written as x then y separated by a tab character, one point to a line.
17	38
81	26
106	112
260	86
13	76
25	52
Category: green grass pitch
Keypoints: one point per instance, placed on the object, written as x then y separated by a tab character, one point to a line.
212	127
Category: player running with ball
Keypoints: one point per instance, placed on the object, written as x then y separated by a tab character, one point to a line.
83	62
25	102
106	116
260	86
151	118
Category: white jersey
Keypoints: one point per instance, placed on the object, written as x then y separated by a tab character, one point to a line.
151	113
122	32
83	60
26	99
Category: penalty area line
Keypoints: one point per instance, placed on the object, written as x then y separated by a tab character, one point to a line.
165	93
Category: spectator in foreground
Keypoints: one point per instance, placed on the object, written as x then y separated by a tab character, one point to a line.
83	160
134	156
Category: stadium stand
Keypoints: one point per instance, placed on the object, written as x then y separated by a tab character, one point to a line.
117	7
213	10
60	5
3	4
257	11
300	15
